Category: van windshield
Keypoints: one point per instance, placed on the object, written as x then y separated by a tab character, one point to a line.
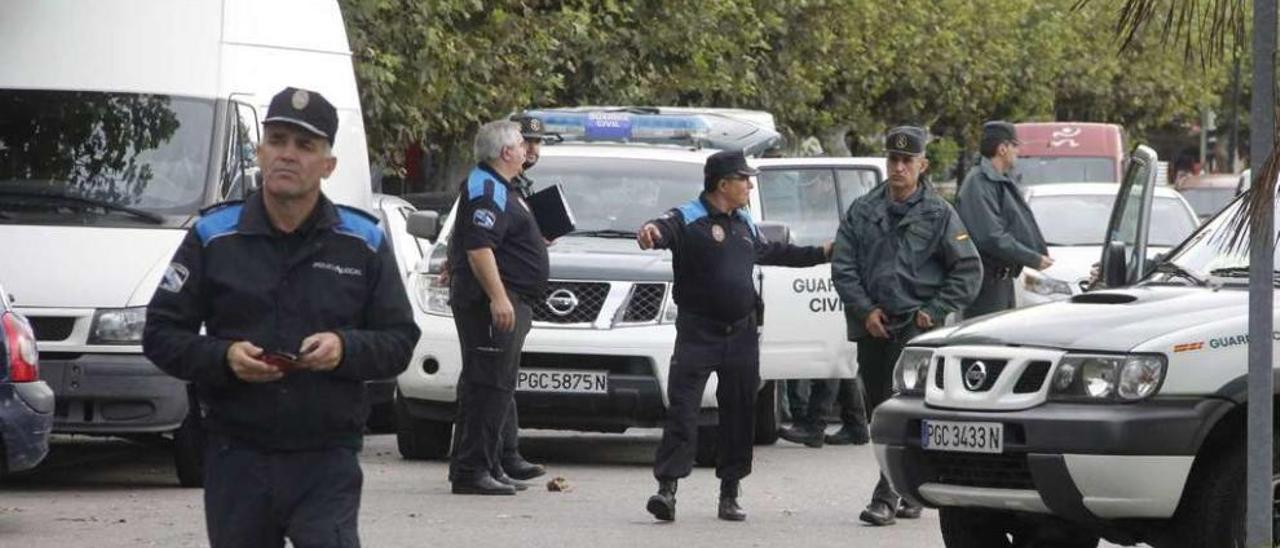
613	197
1038	170
82	157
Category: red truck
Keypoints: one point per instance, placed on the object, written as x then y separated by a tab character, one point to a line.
1070	152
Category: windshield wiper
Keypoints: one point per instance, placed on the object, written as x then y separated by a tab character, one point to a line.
606	233
90	202
1231	272
1174	269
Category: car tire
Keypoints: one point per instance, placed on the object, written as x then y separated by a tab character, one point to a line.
768	413
1213	508
708	446
421	439
976	528
189	446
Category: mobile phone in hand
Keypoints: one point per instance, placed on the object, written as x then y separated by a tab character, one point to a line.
281	359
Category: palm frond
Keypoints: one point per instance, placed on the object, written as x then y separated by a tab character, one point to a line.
1201	28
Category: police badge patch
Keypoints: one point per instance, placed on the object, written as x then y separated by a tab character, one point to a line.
717	233
484	218
174	278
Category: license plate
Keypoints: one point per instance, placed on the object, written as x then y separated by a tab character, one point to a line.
967	437
573	382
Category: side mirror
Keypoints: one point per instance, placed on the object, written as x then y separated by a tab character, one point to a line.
774	231
1114	273
254	176
424	224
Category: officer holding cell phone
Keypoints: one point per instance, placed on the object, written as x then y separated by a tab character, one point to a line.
302	302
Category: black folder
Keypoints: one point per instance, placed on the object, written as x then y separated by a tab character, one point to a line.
552	212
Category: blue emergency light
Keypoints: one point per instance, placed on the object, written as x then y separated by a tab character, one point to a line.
623	126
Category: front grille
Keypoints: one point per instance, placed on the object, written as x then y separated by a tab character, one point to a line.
938	372
52	328
645	303
1003	471
621	365
993	369
1032	378
587	299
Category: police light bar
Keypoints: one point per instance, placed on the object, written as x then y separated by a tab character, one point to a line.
650	125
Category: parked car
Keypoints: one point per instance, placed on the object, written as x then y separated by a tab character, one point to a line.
1073	218
26	402
1209	193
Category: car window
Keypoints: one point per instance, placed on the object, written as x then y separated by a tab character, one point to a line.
1071	220
804	199
1209	200
1037	170
618	194
854	183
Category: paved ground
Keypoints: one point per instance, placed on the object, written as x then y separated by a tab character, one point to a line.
114	493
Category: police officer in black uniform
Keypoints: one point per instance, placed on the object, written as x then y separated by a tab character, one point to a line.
902	262
498	267
715	248
999	220
302	302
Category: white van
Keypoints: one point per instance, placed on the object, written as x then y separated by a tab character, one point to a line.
118	123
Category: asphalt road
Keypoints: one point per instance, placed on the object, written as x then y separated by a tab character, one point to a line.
117	493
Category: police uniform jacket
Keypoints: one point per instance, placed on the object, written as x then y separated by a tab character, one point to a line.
243	280
492	214
903	258
714	254
999	221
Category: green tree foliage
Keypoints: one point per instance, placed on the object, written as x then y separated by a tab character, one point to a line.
431	71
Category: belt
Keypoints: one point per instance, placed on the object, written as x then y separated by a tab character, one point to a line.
719	326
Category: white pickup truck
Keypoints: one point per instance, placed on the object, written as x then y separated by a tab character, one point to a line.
1116	414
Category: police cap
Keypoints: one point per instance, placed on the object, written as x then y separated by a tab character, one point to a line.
531	127
304	109
725	163
908	140
999	131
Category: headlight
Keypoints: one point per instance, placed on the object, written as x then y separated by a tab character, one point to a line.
1042	284
912	371
669	306
118	326
1107	378
433	296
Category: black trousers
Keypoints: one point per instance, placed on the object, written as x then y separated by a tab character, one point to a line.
810	400
876	360
994	295
254	498
486	389
732	352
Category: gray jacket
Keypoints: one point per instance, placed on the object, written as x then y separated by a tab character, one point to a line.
999	220
922	260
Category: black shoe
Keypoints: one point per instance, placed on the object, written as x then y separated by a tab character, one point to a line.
849	435
808	437
907	510
521	469
663	504
730	511
483	485
877	513
518	486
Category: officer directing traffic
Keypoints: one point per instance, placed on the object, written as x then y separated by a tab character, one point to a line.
999	220
902	262
302	302
715	247
498	267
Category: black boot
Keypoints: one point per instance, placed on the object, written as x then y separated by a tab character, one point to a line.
849	435
806	435
729	509
521	469
663	504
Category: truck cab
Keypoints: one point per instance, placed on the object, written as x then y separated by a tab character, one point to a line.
1069	152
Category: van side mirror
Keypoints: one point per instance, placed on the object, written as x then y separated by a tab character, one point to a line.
423	224
1115	272
774	231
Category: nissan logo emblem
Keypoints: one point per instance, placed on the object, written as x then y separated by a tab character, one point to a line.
562	302
975	376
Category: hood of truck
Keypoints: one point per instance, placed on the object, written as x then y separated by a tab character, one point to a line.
607	259
1116	320
84	267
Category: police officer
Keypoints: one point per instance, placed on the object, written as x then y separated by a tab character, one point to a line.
999	220
498	267
715	247
808	412
902	262
302	302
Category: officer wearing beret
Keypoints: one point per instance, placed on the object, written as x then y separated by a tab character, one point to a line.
902	262
715	248
999	220
301	302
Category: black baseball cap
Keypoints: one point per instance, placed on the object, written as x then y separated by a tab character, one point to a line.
531	127
305	109
1000	131
725	163
908	140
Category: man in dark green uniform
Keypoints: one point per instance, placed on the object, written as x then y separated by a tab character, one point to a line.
902	261
999	220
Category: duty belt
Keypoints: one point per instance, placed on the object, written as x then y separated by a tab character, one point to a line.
718	326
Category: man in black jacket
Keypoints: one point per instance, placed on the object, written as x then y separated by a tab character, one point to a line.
999	221
302	302
715	247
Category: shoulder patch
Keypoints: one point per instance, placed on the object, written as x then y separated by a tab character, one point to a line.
218	221
219	205
478	183
359	224
692	210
